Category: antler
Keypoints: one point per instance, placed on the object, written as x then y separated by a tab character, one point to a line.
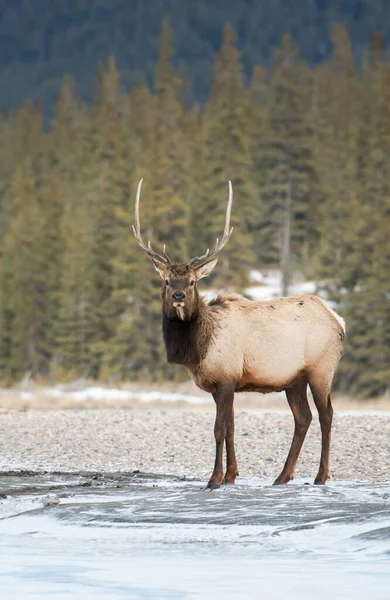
137	232
198	261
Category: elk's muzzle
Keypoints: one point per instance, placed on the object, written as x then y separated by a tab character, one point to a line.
178	296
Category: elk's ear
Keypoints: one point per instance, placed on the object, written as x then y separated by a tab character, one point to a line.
160	267
206	269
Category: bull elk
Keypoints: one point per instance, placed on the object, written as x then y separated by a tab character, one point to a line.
232	344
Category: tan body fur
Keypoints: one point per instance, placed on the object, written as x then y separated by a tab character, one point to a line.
266	346
233	344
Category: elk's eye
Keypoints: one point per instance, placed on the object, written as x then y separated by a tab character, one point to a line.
167	282
192	282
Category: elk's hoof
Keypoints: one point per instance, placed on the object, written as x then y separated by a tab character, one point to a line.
282	480
230	478
213	486
319	482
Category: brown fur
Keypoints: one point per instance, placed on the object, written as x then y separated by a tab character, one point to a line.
233	344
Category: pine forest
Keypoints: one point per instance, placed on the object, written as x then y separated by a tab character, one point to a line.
308	151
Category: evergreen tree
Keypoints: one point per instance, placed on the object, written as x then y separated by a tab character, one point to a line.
225	154
107	196
365	369
24	289
52	249
286	190
77	314
126	352
259	120
336	159
162	161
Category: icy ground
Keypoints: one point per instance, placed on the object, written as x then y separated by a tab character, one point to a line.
137	537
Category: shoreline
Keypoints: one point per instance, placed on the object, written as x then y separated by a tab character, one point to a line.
165	396
178	441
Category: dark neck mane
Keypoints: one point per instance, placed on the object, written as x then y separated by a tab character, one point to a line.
186	342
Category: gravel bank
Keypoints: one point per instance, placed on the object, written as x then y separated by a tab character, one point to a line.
179	441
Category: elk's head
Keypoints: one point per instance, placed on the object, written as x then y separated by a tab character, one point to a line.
180	292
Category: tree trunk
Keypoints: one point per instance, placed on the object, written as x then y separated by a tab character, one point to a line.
286	242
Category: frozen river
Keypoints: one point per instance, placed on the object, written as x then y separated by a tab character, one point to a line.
137	536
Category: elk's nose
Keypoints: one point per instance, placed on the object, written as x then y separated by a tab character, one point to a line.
178	296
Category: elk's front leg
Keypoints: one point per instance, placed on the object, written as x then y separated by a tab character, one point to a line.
231	461
223	397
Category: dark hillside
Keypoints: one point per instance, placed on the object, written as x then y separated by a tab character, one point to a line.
42	40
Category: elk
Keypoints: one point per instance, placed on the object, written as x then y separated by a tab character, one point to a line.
232	344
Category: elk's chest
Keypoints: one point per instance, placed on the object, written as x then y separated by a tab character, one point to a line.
222	363
202	377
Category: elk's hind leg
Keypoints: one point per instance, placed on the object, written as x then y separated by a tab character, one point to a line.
320	388
297	399
223	397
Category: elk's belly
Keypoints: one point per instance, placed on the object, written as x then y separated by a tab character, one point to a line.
273	364
262	378
256	383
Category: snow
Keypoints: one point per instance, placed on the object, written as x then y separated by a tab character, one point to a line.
114	394
256	276
266	285
271	286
